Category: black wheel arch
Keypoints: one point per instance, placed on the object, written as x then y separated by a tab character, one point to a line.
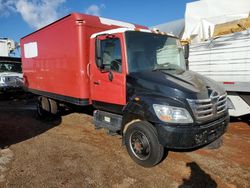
136	111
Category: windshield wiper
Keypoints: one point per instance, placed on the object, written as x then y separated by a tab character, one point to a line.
163	68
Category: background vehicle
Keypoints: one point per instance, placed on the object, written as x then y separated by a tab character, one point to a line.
10	73
135	78
10	67
226	59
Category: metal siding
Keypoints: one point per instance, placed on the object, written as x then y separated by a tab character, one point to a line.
225	59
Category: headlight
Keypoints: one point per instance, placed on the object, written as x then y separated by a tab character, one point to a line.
172	114
2	79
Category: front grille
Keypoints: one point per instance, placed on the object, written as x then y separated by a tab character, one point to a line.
8	79
211	108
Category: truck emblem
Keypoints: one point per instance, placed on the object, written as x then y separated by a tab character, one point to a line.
214	96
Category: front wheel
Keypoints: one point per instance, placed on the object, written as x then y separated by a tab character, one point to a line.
142	144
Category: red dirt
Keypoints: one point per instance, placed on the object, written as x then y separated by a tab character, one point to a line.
69	152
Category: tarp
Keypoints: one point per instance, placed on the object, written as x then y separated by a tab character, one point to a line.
202	16
6	47
175	27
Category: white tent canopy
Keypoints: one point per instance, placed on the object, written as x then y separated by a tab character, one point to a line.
175	27
202	16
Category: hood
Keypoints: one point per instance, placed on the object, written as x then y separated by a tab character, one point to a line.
11	79
185	84
15	74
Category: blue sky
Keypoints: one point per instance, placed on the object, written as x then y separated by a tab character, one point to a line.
21	17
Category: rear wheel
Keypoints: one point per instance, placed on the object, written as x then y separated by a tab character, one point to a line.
53	107
142	144
46	108
40	112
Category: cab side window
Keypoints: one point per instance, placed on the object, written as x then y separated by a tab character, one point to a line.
111	54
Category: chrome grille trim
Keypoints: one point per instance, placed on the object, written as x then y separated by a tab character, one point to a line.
205	109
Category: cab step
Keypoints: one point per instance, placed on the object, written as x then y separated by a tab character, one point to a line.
110	121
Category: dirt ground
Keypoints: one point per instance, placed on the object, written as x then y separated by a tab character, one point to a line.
69	152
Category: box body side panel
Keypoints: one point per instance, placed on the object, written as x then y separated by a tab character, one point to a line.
55	59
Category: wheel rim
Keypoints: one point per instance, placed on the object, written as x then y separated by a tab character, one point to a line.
139	145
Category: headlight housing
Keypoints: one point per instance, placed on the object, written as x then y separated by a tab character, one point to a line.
172	114
2	79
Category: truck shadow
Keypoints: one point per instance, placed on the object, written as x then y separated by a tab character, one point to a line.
245	119
19	123
89	110
198	178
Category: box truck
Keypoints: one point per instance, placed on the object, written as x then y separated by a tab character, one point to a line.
135	78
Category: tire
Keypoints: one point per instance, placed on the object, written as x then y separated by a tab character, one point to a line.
142	144
40	112
53	107
46	108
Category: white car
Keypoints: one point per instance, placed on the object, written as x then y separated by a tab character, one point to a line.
11	76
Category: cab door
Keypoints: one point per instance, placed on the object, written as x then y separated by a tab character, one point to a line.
107	70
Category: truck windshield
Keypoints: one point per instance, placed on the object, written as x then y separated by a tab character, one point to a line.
152	52
10	67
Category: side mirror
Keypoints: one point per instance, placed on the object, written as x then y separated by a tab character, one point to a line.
186	50
98	53
186	54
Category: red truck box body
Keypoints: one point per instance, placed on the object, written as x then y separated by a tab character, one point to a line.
55	57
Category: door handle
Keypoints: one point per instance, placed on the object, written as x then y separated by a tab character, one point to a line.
88	69
110	76
96	82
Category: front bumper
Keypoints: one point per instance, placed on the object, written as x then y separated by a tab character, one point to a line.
10	88
191	137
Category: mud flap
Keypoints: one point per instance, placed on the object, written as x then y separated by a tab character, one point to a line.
215	144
